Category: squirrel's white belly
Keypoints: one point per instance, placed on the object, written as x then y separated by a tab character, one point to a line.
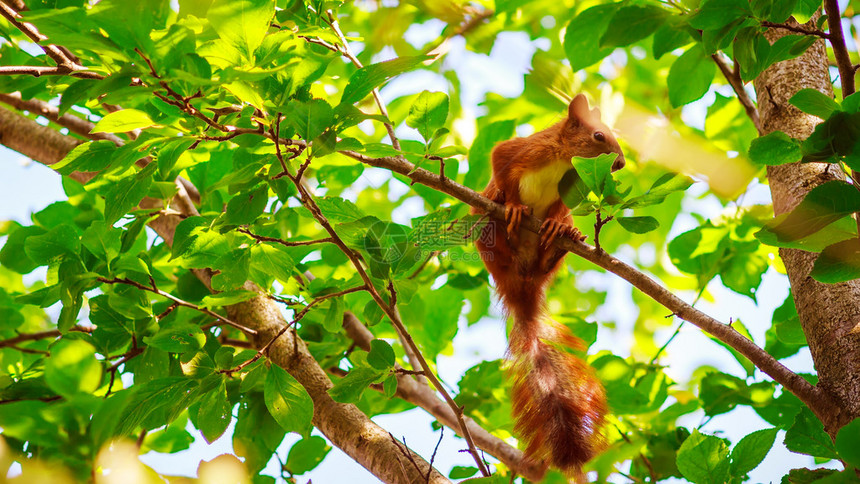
539	188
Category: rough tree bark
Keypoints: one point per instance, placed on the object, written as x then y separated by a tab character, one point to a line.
827	311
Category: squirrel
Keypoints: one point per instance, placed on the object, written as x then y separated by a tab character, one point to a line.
558	402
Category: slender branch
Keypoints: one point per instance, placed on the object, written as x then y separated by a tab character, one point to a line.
734	78
178	301
812	396
53	333
285	243
62	57
800	30
840	51
344	49
38	71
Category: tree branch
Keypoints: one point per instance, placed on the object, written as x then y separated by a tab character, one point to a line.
344	49
840	51
177	301
52	333
63	58
734	78
812	396
798	29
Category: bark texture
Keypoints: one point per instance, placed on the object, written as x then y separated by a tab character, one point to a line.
344	424
827	311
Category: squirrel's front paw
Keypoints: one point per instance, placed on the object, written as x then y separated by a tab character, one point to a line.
551	228
514	215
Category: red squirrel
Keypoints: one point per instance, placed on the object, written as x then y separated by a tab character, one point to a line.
558	402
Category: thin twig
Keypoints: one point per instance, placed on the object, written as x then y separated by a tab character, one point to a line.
598	225
800	30
178	301
343	47
734	78
285	243
52	333
38	71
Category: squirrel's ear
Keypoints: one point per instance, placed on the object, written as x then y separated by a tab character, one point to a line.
578	109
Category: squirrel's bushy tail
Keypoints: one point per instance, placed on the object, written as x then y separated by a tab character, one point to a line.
558	402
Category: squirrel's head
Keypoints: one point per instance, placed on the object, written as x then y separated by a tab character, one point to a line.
586	132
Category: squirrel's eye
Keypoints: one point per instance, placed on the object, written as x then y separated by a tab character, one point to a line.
599	136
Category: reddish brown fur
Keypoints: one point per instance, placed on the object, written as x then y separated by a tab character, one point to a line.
558	403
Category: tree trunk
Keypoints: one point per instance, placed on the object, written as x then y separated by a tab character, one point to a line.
827	311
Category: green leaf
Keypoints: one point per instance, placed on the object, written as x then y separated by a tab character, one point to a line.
807	436
72	368
839	262
242	23
61	240
638	225
814	102
775	148
178	338
311	118
370	77
632	23
349	388
822	206
428	113
123	121
214	414
233	270
839	134
92	156
703	459
662	188
690	76
197	244
306	454
126	193
462	472
273	260
583	33
223	299
751	450
668	38
848	443
843	229
288	402
244	208
102	240
156	403
333	322
381	355
776	11
169	154
715	14
595	172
